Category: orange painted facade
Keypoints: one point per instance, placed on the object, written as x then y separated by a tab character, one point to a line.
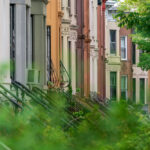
54	15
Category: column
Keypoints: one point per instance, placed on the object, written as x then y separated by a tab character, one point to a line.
107	83
95	74
73	56
39	45
91	74
20	42
4	41
65	55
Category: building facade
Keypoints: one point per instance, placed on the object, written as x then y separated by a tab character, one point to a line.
124	79
25	45
93	48
113	60
69	39
101	46
54	46
83	47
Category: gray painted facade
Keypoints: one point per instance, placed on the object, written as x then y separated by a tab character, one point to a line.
38	11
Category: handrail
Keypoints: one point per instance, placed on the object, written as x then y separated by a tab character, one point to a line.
29	93
62	70
10	93
53	75
11	100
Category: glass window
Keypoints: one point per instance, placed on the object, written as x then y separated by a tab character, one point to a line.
113	88
49	53
124	48
142	91
134	90
133	53
124	87
113	42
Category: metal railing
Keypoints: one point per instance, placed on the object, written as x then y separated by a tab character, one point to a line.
65	77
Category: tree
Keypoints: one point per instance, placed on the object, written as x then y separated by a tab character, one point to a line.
135	14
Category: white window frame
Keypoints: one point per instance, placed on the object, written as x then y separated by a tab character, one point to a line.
126	49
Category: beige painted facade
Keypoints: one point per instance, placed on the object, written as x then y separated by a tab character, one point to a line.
113	61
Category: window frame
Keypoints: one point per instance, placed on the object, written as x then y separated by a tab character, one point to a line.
113	42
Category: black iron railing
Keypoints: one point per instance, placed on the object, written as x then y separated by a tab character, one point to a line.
65	77
54	79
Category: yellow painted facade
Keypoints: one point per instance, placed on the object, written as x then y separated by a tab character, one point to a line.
54	15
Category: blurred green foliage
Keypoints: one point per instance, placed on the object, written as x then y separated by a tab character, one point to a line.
123	127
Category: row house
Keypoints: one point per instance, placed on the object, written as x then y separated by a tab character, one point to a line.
23	25
54	46
102	49
69	39
83	47
90	61
124	79
93	48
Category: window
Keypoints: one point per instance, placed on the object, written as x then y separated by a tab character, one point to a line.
49	53
124	87
12	41
113	42
75	5
133	53
142	91
32	37
134	90
124	48
69	6
113	86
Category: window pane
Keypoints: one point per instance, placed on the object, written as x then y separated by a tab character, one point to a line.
133	53
113	35
134	90
123	48
142	91
113	41
113	90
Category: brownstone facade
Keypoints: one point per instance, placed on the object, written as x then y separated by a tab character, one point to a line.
126	65
101	45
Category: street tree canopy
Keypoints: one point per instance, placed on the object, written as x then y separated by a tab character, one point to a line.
135	14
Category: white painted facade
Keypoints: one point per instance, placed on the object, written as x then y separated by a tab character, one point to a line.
69	38
93	47
4	39
20	34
